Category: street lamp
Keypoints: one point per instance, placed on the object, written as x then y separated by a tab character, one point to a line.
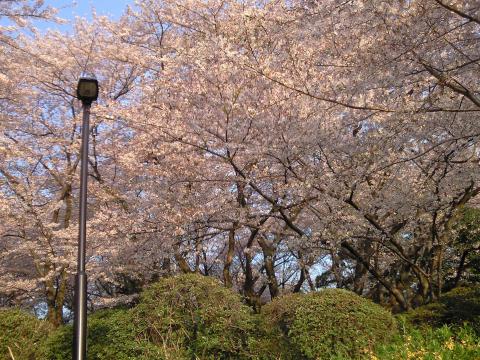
87	92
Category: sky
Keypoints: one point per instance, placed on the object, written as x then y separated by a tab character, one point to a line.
69	9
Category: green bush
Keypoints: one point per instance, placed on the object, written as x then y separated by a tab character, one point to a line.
20	334
328	324
274	325
111	335
426	343
194	316
461	305
426	315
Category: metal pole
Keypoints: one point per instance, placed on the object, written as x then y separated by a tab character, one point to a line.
80	319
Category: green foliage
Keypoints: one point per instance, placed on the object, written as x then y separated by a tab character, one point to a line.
111	335
195	317
328	324
21	333
461	305
467	242
274	325
426	343
429	315
468	225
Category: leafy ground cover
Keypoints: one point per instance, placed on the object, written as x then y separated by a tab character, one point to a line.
427	343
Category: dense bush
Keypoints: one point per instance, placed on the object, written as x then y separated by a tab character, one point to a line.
461	305
20	334
274	325
111	335
194	316
426	343
331	323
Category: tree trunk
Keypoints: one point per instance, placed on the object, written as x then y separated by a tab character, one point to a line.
268	253
460	269
391	288
55	291
227	277
182	263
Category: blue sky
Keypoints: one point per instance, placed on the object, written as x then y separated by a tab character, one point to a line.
69	9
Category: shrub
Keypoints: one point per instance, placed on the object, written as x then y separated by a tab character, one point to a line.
275	321
20	334
331	323
461	305
111	335
446	343
426	315
195	316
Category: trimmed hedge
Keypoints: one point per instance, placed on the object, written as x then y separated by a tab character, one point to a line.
21	334
194	316
331	323
111	335
274	323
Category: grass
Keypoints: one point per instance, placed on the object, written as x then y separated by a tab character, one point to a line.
426	343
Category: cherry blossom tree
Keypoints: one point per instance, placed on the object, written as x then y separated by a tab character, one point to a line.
39	164
280	146
311	113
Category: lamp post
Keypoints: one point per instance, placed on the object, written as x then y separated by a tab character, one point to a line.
87	92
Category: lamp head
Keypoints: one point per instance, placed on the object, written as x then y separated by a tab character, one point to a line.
87	89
